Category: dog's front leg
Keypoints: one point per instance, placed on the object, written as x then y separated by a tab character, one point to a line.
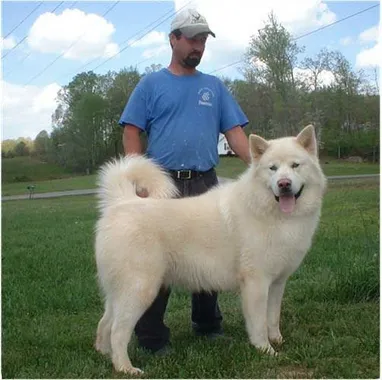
254	293
275	296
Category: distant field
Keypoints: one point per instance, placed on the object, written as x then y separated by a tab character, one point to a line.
27	169
47	177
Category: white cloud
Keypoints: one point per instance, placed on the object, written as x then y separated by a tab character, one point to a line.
155	52
153	38
85	36
369	57
346	41
27	110
369	35
7	43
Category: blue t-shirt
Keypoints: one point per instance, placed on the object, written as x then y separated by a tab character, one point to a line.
182	116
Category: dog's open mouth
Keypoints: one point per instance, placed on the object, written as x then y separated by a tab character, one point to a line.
287	200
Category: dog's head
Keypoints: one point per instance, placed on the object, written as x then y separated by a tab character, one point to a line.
288	166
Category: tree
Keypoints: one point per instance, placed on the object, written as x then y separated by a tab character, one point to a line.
315	67
42	144
272	58
21	149
123	85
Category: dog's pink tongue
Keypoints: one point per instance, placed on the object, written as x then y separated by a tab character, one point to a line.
287	203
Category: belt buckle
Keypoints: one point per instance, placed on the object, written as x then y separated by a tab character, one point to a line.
180	176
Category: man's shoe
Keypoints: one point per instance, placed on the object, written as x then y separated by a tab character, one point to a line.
210	335
162	351
215	335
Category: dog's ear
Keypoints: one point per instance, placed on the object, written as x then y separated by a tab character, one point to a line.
257	146
307	139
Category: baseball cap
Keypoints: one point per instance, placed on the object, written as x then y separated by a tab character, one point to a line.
190	22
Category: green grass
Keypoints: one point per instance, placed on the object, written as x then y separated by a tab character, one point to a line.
51	305
336	167
229	167
72	183
27	169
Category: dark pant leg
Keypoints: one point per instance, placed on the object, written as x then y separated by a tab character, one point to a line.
151	331
206	316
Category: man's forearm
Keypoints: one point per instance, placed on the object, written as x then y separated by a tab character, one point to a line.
238	141
131	141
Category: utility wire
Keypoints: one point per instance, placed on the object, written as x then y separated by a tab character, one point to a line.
22	21
71	45
169	14
23	39
304	35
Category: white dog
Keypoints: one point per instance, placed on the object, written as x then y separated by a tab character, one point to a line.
250	234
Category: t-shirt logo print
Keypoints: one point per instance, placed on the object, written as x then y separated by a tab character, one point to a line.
205	97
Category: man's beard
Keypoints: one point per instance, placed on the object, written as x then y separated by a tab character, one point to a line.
192	61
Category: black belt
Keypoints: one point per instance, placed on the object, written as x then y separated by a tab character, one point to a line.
188	174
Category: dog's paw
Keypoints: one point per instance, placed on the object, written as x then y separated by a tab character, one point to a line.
268	350
277	340
129	370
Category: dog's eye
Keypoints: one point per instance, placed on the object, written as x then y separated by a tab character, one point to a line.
273	168
295	165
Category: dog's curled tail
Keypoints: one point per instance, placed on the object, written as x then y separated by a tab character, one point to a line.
121	179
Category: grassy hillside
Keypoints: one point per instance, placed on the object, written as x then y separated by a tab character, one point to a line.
26	169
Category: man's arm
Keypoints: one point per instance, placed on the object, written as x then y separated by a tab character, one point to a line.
131	140
238	141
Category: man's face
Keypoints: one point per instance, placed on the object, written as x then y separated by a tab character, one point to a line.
189	51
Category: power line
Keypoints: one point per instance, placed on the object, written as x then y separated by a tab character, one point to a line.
336	22
97	58
156	25
23	39
306	34
22	21
169	14
71	45
150	30
14	47
18	63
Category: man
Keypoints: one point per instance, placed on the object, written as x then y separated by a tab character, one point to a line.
182	112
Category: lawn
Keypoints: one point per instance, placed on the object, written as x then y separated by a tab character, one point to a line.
229	167
51	304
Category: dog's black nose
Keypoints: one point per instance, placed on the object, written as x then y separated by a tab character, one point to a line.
284	184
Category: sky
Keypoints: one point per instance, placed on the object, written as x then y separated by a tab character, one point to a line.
44	44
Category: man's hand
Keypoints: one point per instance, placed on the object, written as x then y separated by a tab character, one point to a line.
238	141
142	192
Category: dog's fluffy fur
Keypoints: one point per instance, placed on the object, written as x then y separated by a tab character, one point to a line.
250	234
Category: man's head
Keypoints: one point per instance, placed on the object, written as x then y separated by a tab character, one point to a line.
188	36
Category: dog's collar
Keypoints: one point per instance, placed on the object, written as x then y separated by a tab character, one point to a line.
296	196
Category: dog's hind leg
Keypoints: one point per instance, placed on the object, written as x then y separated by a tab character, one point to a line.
103	344
127	309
